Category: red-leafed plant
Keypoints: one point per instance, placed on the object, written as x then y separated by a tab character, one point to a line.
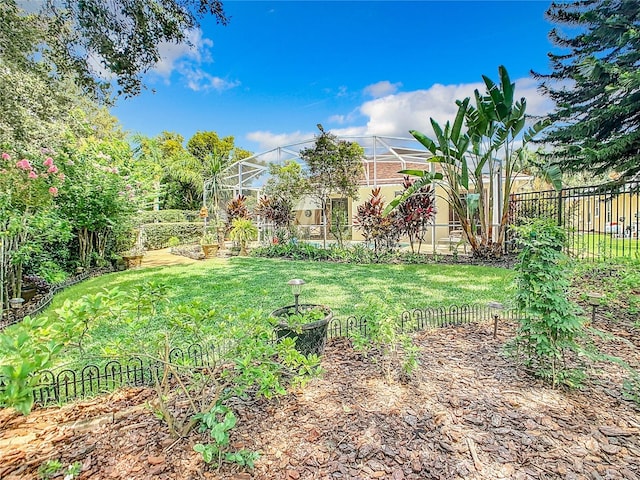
416	213
237	208
277	213
384	232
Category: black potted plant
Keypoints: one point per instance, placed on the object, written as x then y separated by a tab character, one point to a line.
307	323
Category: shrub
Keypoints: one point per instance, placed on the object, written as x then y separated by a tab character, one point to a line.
384	341
550	325
158	234
28	348
383	231
243	231
416	213
237	208
166	216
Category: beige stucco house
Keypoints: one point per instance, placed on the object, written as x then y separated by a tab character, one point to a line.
384	158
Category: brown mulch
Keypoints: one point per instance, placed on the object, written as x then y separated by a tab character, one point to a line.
467	413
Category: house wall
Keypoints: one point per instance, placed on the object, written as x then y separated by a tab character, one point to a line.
311	223
618	214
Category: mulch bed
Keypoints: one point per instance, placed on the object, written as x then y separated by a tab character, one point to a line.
468	412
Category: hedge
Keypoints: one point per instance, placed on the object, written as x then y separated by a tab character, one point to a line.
158	234
166	216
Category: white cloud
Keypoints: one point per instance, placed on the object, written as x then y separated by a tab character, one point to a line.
396	114
537	104
382	89
172	54
187	59
199	80
268	140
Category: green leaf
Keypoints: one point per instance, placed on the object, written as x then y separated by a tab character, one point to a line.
424	140
415	173
443	144
457	123
425	179
517	127
207	451
463	144
535	129
553	175
508	88
464	177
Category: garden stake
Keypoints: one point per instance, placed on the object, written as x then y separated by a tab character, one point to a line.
497	307
594	301
296	289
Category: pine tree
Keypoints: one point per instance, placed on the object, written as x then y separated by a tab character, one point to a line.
595	85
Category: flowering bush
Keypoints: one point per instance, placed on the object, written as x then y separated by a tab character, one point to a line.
28	185
99	201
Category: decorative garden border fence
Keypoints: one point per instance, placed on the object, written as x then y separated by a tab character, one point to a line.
11	317
601	221
69	384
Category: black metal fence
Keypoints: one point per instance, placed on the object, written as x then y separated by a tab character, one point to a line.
424	318
12	316
69	384
601	221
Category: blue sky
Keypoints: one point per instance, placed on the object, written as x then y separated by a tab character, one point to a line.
359	68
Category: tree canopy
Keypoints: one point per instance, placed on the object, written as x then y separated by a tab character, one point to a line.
596	85
334	168
93	45
121	37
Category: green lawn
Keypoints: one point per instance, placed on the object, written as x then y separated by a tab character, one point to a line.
262	283
602	246
230	288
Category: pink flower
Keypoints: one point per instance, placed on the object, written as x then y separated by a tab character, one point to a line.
24	164
3	171
33	174
53	191
62	177
48	162
6	156
53	169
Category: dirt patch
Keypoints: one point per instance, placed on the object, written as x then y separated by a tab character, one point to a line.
467	413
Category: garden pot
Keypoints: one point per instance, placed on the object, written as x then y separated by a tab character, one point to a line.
132	261
310	337
28	293
16	303
210	251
